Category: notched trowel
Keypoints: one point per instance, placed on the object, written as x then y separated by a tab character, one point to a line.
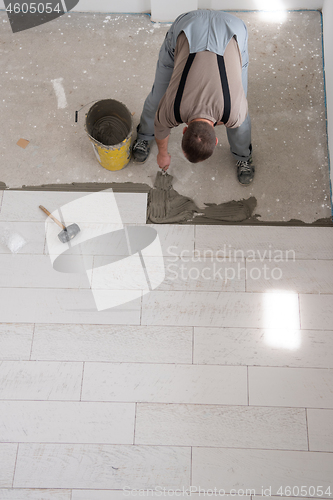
67	233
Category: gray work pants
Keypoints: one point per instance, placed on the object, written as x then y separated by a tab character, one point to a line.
239	138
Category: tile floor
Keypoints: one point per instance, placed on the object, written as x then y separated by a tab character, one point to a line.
220	377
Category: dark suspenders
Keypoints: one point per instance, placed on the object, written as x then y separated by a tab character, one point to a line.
225	90
181	87
224	83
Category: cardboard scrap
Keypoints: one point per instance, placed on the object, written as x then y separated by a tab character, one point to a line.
22	143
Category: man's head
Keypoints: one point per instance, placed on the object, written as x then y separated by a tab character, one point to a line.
198	141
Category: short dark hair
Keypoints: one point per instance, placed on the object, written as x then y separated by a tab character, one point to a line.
198	141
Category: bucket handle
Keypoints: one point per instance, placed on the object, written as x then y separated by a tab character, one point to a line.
77	112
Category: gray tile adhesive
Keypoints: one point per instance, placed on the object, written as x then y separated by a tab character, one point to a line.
167	206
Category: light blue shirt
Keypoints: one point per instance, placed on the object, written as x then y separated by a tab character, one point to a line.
209	30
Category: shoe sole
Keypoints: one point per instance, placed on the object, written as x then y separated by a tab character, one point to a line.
245	185
138	161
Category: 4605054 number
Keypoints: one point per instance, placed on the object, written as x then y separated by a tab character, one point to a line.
304	491
33	8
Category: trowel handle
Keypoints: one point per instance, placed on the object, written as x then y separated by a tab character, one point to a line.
51	216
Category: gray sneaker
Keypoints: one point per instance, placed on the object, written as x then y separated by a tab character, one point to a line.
245	171
140	150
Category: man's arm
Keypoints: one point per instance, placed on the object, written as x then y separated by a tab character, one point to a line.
163	157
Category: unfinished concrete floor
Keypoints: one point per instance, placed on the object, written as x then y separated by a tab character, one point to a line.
100	56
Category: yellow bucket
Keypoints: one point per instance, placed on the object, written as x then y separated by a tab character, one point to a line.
109	126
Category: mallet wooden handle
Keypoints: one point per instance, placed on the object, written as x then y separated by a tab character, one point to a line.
53	218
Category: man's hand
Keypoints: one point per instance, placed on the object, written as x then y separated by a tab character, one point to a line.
163	157
163	161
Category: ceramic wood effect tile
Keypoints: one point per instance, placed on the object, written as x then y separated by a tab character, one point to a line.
101	466
303	276
24	206
271	470
66	422
203	309
7	464
250	346
203	275
33	233
36	271
316	312
125	273
179	275
165	383
29	380
221	426
143	344
294	387
301	242
73	306
175	240
15	341
320	429
26	494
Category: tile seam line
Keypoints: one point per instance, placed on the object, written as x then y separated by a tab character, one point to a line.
168	403
159	325
252	329
299	409
14	472
171	363
307	428
82	380
189	447
32	341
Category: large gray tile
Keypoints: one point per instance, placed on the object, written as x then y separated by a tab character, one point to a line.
77	206
101	466
221	426
8	454
26	305
145	344
165	383
30	380
15	341
320	425
316	312
251	346
256	470
36	271
294	387
33	233
26	494
303	276
66	422
204	309
265	242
